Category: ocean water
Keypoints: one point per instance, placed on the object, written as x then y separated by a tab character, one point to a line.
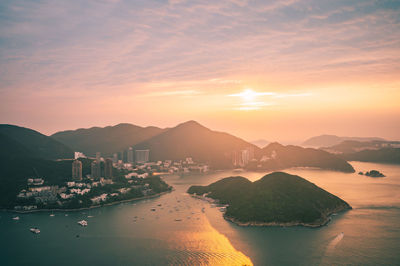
179	232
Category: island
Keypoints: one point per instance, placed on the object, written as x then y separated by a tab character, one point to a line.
373	173
277	199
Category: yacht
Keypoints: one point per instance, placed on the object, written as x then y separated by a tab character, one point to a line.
83	223
52	215
16	218
35	230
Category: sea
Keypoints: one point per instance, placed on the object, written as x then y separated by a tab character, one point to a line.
177	229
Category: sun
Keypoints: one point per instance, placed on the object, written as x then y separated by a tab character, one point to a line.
248	95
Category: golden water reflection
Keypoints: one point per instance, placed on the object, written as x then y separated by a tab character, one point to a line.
204	246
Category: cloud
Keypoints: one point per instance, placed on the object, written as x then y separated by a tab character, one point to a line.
172	93
191	48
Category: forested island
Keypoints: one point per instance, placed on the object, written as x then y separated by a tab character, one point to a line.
277	199
372	173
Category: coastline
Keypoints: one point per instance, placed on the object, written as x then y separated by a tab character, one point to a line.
91	207
326	217
325	221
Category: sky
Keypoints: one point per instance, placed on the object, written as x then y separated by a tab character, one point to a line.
276	70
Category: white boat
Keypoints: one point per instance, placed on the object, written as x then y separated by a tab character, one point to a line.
35	230
83	223
52	215
16	218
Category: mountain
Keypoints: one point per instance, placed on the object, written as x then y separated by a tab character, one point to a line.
276	199
261	143
19	141
383	155
330	140
11	148
106	140
351	146
190	139
277	157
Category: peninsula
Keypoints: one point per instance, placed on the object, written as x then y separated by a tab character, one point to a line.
277	199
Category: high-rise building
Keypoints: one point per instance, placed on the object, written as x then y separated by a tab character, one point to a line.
245	157
130	155
108	168
115	158
96	169
76	170
98	157
125	156
142	156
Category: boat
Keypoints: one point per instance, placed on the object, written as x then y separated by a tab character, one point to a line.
52	215
16	218
178	220
203	209
83	223
35	230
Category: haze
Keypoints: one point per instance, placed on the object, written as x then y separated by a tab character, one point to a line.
278	70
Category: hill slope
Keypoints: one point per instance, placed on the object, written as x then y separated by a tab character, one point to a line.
20	141
330	140
107	140
16	171
383	155
277	157
276	199
190	139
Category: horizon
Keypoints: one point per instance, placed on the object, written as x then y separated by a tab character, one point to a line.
284	71
282	141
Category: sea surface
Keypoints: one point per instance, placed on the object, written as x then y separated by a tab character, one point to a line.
186	231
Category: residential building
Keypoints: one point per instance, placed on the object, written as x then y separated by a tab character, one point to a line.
76	170
108	168
142	156
78	155
115	158
98	157
130	155
96	169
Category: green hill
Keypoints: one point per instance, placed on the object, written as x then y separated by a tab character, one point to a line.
276	199
107	140
20	141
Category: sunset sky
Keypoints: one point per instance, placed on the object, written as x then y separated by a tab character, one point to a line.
278	70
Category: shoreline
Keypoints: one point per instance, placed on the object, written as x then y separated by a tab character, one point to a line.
91	207
327	219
